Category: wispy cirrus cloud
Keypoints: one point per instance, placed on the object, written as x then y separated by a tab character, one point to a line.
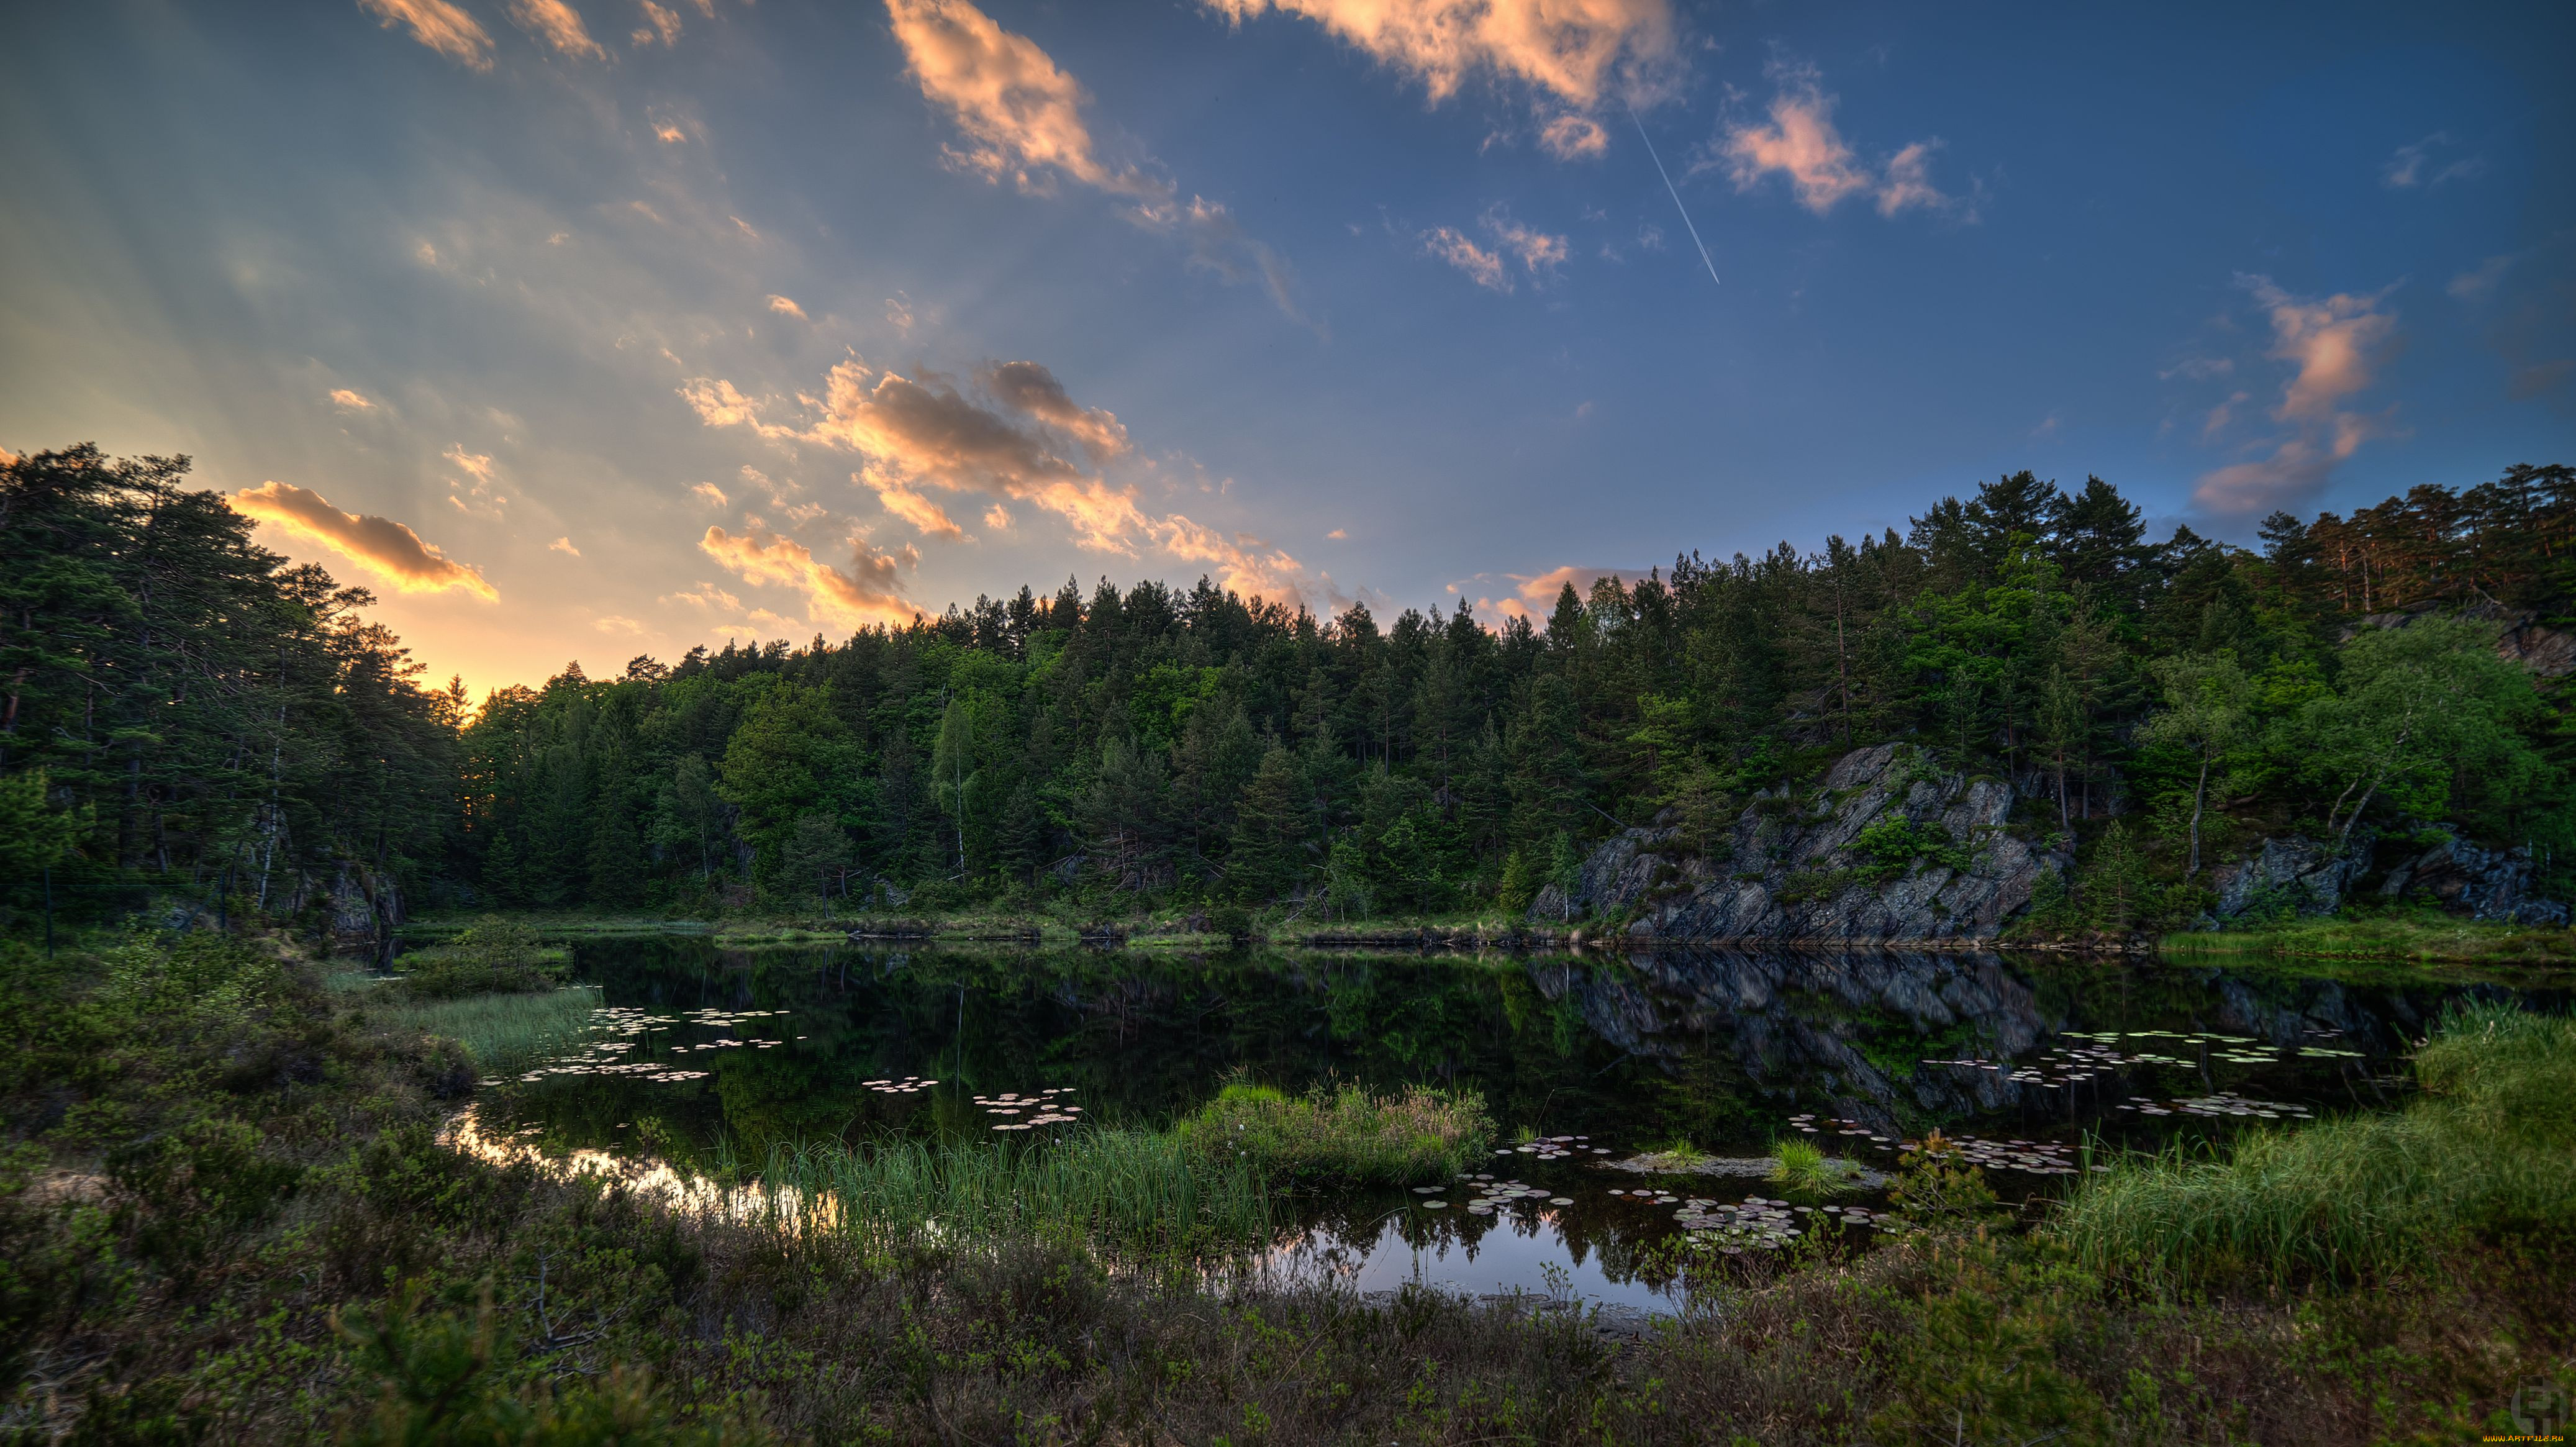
2424	165
440	25
1569	58
558	25
381	545
2334	345
1799	140
1022	118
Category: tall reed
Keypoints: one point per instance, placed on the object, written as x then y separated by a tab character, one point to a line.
505	1033
1129	1190
2486	1150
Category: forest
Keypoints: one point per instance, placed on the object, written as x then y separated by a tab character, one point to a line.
192	719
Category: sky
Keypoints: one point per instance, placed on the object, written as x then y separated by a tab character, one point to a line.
583	329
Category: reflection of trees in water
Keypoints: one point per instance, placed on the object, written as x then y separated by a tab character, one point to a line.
1709	1045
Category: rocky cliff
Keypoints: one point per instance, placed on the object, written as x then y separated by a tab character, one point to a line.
2296	875
1885	847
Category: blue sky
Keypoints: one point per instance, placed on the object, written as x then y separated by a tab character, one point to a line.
584	328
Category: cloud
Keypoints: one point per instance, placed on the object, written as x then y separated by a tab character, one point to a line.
661	26
2334	346
1485	268
1023	440
997	517
1801	142
928	517
2411	167
708	493
2222	414
563	545
1572	137
898	312
2479	283
1022	118
1338	534
558	25
348	401
669	134
477	463
612	623
1534	594
441	26
1031	388
1570	57
870	592
1538	251
785	307
379	544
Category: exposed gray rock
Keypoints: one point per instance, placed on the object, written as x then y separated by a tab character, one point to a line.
2487	884
1788	870
2290	874
365	910
2520	639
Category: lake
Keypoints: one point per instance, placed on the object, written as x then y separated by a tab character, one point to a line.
2040	1064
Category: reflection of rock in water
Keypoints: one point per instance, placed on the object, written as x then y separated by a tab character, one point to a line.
1805	1023
1791	1018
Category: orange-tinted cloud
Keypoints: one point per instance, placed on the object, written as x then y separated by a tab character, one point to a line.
870	592
348	401
786	307
563	545
558	25
1022	119
1802	143
441	26
1485	268
1019	442
2334	346
661	26
1021	115
1572	53
380	544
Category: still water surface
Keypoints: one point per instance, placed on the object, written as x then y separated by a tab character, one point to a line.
727	1053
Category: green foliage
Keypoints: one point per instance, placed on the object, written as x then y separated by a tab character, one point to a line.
1342	1135
2490	1151
1798	1167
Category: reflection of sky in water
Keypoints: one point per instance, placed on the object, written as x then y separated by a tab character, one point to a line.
1513	1256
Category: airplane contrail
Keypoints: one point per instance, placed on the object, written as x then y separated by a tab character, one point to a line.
1676	195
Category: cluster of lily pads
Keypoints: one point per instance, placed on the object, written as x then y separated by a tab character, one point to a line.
909	1085
1807	1122
1490	1195
2037	1158
1556	1147
1049	1109
2223	1103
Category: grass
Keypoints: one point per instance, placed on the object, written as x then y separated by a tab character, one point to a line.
1342	1135
1129	1190
2488	1151
2430	939
227	1215
1798	1167
504	1033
